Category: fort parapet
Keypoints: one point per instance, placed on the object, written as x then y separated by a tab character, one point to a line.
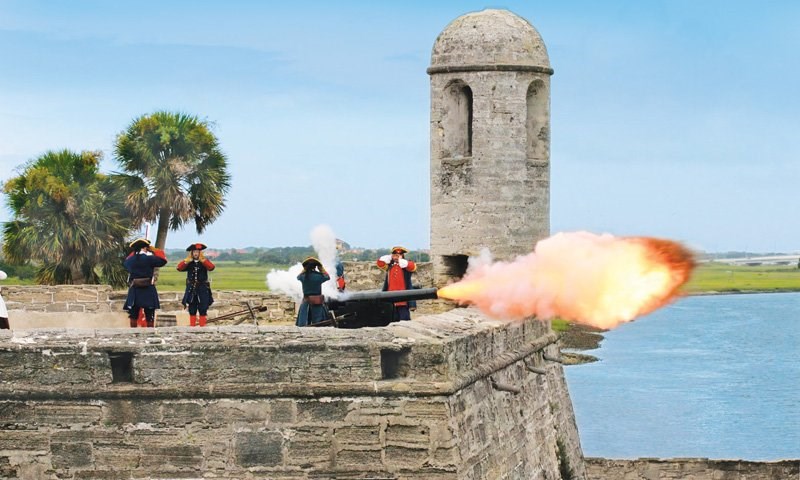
449	396
29	304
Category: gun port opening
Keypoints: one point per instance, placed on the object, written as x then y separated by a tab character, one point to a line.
121	367
455	266
394	363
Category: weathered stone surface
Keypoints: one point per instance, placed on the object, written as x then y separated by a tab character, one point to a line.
6	469
213	400
310	447
283	411
29	441
356	457
489	179
57	307
121	412
410	458
408	435
181	413
369	435
71	455
123	456
169	455
27	295
428	474
98	299
87	294
102	475
237	411
61	414
16	413
258	449
322	411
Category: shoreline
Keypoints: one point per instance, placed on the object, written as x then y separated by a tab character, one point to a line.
740	292
581	338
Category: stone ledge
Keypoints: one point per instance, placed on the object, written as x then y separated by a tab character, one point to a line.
433	356
689	468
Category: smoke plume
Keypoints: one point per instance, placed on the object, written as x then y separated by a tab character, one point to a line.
323	240
598	280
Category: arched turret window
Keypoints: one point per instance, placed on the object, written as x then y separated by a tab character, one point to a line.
457	121
537	124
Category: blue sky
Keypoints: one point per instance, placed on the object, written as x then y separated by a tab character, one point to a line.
675	119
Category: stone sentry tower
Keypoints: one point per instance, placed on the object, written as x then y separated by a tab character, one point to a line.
490	140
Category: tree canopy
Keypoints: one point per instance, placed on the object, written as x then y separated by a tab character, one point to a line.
174	172
68	219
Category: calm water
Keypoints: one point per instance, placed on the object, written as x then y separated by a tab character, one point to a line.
711	376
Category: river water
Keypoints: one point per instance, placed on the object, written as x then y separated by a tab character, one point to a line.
708	376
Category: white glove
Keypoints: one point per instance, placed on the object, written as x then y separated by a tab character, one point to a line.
386	259
403	263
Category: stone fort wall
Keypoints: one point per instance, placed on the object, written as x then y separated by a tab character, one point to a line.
448	396
99	299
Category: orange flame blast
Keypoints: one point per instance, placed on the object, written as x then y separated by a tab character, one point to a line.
597	280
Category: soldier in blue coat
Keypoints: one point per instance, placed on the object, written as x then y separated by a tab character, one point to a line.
142	294
197	296
313	308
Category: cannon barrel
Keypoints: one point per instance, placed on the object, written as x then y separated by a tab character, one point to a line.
389	296
371	309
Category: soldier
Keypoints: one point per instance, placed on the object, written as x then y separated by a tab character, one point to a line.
341	282
142	294
398	277
197	296
313	309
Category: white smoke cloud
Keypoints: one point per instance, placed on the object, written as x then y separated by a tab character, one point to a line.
286	282
484	259
323	240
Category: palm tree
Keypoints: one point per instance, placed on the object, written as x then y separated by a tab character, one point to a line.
68	219
175	172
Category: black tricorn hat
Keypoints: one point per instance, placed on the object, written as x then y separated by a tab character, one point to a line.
139	244
196	246
311	261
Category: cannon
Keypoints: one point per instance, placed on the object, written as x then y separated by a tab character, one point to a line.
370	309
250	311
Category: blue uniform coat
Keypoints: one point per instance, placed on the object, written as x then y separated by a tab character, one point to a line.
312	285
198	289
141	265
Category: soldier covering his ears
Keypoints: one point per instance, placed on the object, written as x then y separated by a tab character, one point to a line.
398	277
197	296
313	309
142	293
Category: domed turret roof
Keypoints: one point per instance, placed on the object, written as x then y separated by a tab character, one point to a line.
491	38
